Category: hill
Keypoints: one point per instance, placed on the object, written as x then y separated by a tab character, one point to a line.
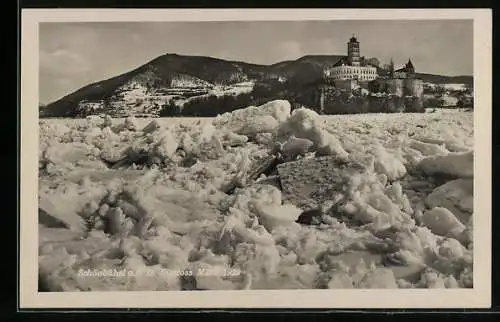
173	78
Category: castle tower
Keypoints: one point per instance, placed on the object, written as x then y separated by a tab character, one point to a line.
353	51
409	67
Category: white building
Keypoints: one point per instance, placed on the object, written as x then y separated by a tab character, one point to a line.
85	105
350	67
344	72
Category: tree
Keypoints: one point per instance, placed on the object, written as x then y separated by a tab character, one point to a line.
170	110
465	100
376	86
391	68
433	102
373	61
414	105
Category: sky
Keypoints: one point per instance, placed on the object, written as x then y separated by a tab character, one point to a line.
72	55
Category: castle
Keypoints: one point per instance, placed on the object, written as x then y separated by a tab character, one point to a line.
381	89
349	68
408	71
352	71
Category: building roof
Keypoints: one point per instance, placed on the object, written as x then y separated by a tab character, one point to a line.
353	39
407	68
409	64
344	61
341	61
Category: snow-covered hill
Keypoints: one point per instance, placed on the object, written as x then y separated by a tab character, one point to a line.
146	95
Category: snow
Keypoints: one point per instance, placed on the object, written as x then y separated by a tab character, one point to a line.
442	222
142	96
278	215
259	124
305	124
254	119
447	86
457	165
378	278
386	164
449	101
456	196
186	81
166	146
455	87
340	280
236	89
294	147
411	198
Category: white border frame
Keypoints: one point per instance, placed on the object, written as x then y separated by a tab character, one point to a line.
478	297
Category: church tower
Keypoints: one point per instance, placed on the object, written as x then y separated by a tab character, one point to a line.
353	51
409	67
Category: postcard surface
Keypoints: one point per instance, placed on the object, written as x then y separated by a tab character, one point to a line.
255	158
